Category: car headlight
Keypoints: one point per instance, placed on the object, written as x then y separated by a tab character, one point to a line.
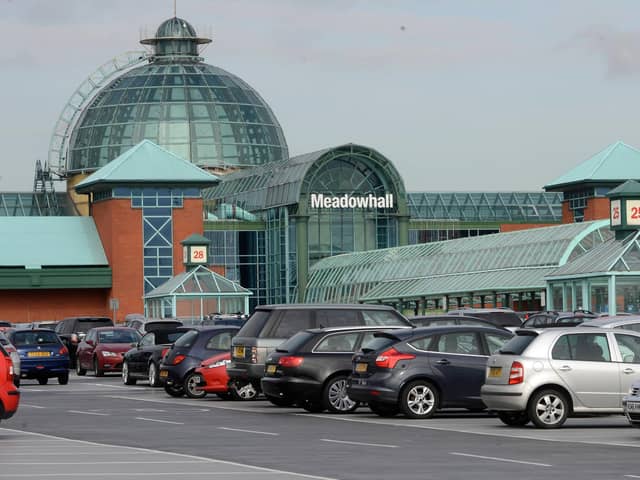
109	354
221	363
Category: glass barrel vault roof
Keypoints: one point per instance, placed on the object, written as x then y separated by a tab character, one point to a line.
199	282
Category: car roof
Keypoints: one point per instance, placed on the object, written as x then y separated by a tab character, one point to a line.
403	334
458	311
116	327
324	306
357	328
621	320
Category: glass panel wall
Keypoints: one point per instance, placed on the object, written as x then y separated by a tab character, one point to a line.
599	295
627	294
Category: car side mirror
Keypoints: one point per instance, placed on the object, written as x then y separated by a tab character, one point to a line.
90	342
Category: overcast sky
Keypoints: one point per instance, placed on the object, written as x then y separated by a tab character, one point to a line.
460	95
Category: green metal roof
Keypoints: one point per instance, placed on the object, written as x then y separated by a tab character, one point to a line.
616	163
628	188
515	261
200	282
36	242
147	163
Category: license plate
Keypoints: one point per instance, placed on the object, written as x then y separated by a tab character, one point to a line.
271	369
361	367
495	372
238	352
164	373
633	406
38	354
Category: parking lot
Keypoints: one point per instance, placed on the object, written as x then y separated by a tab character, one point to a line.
101	428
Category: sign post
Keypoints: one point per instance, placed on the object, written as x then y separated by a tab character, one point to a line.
114	304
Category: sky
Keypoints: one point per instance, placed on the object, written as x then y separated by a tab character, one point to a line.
461	95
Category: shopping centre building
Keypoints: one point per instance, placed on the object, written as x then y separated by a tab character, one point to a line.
159	148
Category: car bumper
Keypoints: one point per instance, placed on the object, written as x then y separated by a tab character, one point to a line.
633	413
245	372
35	369
292	388
504	397
111	364
10	401
362	390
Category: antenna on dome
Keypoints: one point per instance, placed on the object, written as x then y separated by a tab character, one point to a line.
175	8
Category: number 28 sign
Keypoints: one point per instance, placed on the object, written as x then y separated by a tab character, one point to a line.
198	254
633	212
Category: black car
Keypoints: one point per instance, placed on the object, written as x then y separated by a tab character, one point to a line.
441	320
502	317
419	371
311	368
187	353
551	319
72	331
143	361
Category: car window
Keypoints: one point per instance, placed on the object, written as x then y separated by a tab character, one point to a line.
630	326
221	341
428	322
22	338
373	318
471	321
188	339
423	343
629	346
589	347
342	342
337	318
292	321
148	339
255	323
459	342
495	342
118	336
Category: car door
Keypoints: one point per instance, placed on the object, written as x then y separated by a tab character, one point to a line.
583	362
628	362
85	350
140	355
459	362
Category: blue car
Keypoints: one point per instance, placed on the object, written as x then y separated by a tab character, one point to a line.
42	355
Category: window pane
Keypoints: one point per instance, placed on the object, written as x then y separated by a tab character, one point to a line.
344	342
464	343
629	347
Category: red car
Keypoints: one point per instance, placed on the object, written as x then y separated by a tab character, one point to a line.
9	394
103	348
210	377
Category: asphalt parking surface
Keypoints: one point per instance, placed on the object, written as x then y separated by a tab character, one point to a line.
105	429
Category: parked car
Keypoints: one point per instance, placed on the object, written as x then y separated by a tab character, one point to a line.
15	357
211	376
311	368
177	369
558	319
73	329
545	376
103	349
224	319
9	393
420	371
626	322
142	362
5	324
145	325
631	404
42	355
270	325
502	317
440	320
49	325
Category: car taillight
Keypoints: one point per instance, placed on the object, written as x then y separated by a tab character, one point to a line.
290	361
63	351
11	371
254	354
516	375
389	358
178	358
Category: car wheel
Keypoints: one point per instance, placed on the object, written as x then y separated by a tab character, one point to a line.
96	368
126	377
79	370
154	376
43	380
335	396
281	402
63	379
548	409
243	392
419	399
313	407
174	390
191	386
384	409
514	419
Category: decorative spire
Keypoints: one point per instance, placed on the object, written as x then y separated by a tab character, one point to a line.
175	37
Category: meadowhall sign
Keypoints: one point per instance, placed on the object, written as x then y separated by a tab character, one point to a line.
319	200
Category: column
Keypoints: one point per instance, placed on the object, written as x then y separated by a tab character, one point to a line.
302	254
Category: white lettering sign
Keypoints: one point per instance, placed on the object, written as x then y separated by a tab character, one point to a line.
319	200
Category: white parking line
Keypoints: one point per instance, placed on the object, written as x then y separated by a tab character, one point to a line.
31	406
247	431
159	421
632	476
182	403
114	462
89	413
112	474
358	443
498	459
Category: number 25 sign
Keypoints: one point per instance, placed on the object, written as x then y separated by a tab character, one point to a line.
633	212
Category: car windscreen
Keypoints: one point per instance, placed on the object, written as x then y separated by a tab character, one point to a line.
254	325
118	336
188	339
168	336
295	342
155	326
85	324
517	345
23	338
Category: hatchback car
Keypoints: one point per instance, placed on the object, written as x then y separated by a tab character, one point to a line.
545	376
15	357
626	322
178	366
270	325
558	319
211	376
311	368
42	355
72	331
422	370
103	349
502	317
9	393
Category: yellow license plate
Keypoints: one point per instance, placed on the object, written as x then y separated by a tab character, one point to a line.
361	367
271	369
495	372
238	352
164	373
38	354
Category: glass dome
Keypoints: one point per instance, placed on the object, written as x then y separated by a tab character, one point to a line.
198	111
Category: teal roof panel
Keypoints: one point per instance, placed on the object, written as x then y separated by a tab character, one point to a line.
36	242
148	163
199	282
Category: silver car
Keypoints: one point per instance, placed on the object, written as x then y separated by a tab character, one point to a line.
627	322
631	404
545	376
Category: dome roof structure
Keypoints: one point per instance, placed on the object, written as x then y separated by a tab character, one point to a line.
200	112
